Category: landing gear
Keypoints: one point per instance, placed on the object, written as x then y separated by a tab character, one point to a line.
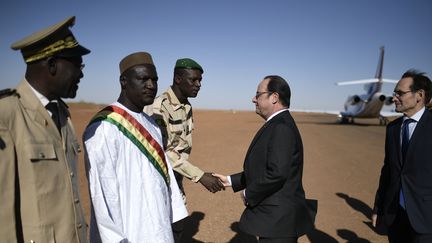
345	120
383	121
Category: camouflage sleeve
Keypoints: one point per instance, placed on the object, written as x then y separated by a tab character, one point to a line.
178	156
183	166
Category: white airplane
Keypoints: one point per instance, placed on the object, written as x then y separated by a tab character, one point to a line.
368	105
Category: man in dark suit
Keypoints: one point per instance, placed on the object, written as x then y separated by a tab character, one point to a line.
404	197
276	208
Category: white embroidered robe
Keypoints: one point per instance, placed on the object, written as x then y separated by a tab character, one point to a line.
130	199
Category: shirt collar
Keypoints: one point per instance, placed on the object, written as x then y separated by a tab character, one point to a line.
174	100
44	100
416	116
274	114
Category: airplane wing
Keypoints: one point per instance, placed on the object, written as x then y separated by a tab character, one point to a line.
316	111
390	114
367	81
333	112
391	81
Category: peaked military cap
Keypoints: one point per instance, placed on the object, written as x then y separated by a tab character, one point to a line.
137	58
188	64
55	40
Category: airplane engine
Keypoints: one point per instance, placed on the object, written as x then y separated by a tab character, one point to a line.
388	100
355	99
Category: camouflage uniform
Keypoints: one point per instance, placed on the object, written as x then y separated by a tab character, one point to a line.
176	122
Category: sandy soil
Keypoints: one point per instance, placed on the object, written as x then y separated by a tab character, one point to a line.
341	170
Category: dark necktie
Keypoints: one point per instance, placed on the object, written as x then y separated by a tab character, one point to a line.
404	149
53	108
405	137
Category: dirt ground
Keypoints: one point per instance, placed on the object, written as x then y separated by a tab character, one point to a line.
341	169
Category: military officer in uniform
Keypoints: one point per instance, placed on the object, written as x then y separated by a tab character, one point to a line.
39	193
173	113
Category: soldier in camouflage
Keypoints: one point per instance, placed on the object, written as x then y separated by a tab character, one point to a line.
173	112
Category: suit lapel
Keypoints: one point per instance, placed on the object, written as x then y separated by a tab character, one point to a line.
262	129
255	139
396	137
419	129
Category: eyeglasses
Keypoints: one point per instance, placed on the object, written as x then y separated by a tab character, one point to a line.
258	94
400	93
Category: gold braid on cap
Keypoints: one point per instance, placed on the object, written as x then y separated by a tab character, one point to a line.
68	42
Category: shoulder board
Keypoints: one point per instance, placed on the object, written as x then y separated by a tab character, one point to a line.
8	92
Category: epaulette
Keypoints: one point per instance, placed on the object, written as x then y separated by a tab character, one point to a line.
8	92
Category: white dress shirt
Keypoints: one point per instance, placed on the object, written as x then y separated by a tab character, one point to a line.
412	125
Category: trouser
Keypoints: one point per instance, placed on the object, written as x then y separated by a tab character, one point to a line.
278	240
401	230
179	179
178	229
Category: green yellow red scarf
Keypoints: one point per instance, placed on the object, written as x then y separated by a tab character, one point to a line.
139	136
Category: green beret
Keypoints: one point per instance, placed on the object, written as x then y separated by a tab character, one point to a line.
189	64
54	40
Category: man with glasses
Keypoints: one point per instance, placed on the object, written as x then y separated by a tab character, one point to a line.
403	200
271	182
39	186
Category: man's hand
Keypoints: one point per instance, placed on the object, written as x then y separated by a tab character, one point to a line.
213	184
223	179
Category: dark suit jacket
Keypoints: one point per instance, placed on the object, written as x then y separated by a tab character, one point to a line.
414	175
272	177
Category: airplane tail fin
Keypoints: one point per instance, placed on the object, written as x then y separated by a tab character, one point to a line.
378	76
378	73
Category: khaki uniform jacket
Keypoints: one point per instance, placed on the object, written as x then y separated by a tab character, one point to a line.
176	123
39	197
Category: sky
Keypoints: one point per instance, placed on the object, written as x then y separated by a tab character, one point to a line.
312	44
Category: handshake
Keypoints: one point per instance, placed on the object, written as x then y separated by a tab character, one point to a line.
214	182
